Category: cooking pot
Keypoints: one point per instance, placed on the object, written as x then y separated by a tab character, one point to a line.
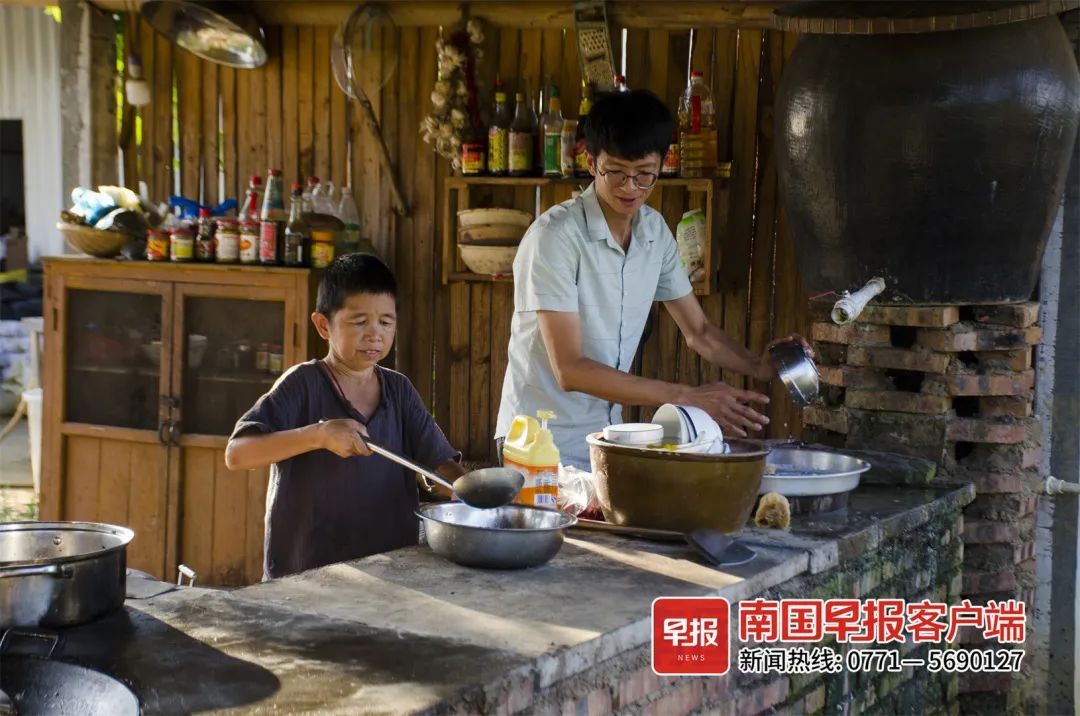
39	685
661	489
60	574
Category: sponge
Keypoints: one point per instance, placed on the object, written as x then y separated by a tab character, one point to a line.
773	511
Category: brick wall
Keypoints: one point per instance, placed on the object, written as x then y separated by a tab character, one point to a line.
921	563
954	385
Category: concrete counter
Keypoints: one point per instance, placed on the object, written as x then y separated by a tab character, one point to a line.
408	631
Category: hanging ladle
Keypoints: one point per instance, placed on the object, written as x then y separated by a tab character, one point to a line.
488	487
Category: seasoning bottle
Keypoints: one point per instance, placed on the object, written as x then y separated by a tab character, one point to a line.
157	245
307	203
581	155
252	199
272	222
262	358
566	148
670	166
204	239
275	360
520	162
297	233
473	149
227	241
499	135
181	246
249	241
553	127
322	248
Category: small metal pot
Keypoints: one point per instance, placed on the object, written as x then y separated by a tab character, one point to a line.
508	537
797	371
60	574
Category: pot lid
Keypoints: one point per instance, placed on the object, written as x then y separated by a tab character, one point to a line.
822	17
215	32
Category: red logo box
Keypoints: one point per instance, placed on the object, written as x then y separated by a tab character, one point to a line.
690	636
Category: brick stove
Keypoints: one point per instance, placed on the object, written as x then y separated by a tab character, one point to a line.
953	384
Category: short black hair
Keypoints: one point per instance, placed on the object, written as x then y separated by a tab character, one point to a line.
353	273
629	125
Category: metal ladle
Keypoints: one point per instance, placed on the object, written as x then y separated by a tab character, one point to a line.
488	487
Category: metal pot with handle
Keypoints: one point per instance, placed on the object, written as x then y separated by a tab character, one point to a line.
60	574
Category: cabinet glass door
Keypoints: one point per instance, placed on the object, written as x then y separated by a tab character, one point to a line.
234	348
113	372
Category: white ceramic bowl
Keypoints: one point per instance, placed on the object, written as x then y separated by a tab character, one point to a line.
489	260
687	425
468	218
634	434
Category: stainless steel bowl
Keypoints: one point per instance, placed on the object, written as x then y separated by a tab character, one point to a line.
508	537
800	472
797	371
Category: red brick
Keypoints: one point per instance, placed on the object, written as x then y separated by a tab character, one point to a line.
1006	407
982	582
987	383
898	401
899	358
975	682
979	339
847	376
830	419
763	697
919	316
1019	315
1024	552
993	482
986	532
1016	360
985	430
854	334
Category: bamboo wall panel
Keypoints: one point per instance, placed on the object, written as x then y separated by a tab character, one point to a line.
452	341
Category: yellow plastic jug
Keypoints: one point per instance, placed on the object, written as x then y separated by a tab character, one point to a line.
530	448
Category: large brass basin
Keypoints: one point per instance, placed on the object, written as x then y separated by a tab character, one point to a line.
677	491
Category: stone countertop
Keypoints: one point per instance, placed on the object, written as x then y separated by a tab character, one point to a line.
407	631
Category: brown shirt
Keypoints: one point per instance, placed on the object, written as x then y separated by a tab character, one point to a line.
321	508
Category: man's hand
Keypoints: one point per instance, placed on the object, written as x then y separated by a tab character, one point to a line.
729	407
343	437
767	368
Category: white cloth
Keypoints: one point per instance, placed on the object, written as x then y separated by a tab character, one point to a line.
569	261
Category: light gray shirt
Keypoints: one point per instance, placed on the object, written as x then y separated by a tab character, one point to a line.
569	261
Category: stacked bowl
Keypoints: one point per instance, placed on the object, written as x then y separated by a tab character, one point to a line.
488	238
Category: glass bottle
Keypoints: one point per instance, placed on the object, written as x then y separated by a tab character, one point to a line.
473	148
204	239
297	232
581	155
521	139
499	135
620	84
553	125
272	221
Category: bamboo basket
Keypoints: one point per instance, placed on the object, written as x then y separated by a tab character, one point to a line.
88	240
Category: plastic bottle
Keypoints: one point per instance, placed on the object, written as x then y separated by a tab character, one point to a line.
553	126
499	135
697	129
347	212
522	138
307	198
252	199
324	199
690	238
530	448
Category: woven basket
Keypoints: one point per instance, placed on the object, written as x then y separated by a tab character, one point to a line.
103	244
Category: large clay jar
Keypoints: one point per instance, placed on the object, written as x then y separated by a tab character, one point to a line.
935	160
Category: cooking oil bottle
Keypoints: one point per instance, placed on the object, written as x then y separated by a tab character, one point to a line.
530	448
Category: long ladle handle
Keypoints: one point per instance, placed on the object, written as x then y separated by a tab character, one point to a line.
406	462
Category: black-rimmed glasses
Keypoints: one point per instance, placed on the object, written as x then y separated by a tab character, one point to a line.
615	179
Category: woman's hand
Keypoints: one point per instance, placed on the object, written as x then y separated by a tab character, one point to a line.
343	436
730	407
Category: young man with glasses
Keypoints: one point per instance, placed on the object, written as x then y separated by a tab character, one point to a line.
585	277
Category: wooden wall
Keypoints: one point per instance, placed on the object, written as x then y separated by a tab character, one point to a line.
290	114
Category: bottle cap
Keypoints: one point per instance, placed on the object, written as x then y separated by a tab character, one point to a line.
256	180
204	213
275	172
696	73
310	181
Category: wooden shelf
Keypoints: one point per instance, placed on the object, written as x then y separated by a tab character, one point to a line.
116	370
263	378
708	193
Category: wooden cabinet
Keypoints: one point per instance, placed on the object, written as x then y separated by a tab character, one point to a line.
671	197
146	369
